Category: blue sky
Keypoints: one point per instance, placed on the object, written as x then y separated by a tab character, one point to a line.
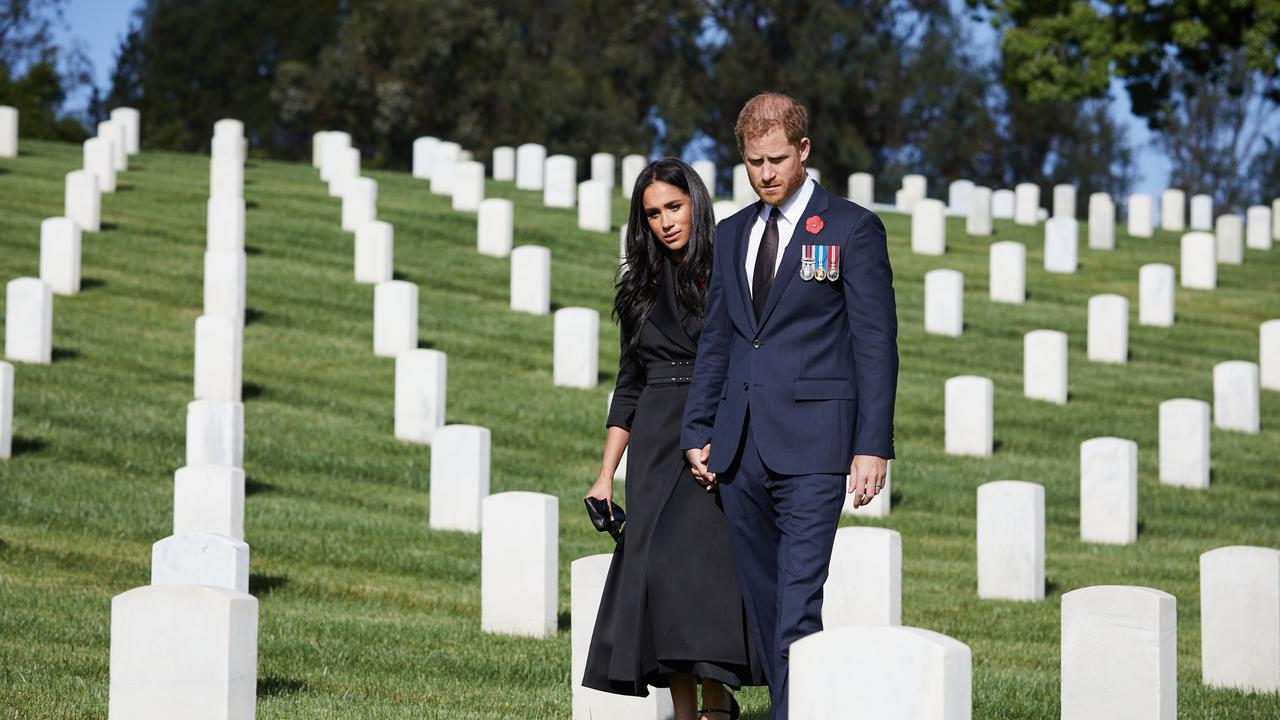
98	27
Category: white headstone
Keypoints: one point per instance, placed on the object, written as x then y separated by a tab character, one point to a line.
423	153
722	209
914	189
530	159
215	433
395	318
1199	269
1102	222
183	651
943	299
1119	654
1275	219
970	416
706	170
224	284
561	182
928	227
1002	204
595	206
82	202
519	564
8	131
603	168
420	394
1061	239
99	159
219	358
531	279
131	120
743	193
978	221
1240	618
226	178
1201	212
459	477
359	203
814	173
920	674
864	586
1044	366
1109	491
1011	540
1184	443
318	140
959	192
862	189
1108	329
1026	203
632	166
209	499
344	168
1064	201
229	127
577	347
1140	215
1230	234
445	158
332	152
468	186
1173	210
60	255
28	321
374	252
116	134
1235	396
1156	295
504	163
1269	354
6	410
224	224
201	559
1258	228
495	227
1007	268
227	148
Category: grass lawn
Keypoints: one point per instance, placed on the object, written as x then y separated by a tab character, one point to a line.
366	613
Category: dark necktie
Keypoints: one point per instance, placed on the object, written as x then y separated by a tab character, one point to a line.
765	259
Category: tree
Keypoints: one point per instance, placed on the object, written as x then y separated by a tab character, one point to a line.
30	79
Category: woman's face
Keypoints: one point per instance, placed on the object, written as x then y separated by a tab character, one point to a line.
668	210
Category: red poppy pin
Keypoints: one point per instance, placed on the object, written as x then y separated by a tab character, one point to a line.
813	224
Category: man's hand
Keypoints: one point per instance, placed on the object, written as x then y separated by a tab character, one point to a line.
866	478
698	461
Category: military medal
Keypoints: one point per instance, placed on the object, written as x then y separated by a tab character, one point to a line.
820	272
806	262
833	267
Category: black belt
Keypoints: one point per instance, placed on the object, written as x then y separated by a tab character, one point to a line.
675	372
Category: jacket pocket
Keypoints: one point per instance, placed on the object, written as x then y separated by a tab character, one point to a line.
823	389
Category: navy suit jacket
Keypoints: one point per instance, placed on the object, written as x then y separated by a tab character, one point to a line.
819	372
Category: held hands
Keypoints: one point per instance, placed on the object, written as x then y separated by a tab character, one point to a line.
866	478
698	462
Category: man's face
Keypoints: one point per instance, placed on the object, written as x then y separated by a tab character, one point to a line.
775	166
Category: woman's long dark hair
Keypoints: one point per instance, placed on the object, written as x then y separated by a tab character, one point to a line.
640	272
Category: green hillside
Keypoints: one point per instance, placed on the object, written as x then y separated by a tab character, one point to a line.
366	613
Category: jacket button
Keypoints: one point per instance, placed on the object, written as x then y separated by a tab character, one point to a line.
755	343
745	386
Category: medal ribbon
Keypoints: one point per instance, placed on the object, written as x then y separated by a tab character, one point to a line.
835	261
822	256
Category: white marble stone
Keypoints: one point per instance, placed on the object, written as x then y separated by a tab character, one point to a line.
864	586
1184	443
1109	491
560	186
1026	203
706	170
1011	540
519	564
632	166
318	140
743	193
595	206
60	255
201	559
880	505
1235	396
359	203
1044	366
959	193
919	675
468	186
1002	204
375	252
229	127
219	358
209	499
531	279
1140	215
227	149
577	347
420	394
395	318
115	132
226	178
333	152
344	168
604	168
8	131
1007	270
814	173
1061	242
445	158
530	159
943	301
131	120
1156	292
1201	212
99	159
6	410
1269	354
862	189
978	219
1240	618
495	227
1275	219
1230	233
928	227
969	416
459	477
1199	265
28	321
215	433
914	189
1258	228
224	224
224	284
1173	210
723	209
1119	654
183	651
81	200
423	153
1102	222
1064	201
1108	329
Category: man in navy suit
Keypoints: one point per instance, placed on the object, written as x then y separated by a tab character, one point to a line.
794	385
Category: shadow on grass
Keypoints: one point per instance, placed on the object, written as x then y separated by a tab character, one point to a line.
563	621
253	315
252	391
257	487
261	585
61	354
91	283
1050	587
604	376
123	187
397	275
275	686
26	445
556	306
426	345
251	205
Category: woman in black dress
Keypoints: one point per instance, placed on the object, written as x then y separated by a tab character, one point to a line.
671	614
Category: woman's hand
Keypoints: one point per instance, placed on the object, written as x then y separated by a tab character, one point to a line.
603	490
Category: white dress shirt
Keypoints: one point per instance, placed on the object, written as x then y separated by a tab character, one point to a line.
792	208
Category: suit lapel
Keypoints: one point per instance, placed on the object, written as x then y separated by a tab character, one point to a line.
740	266
790	266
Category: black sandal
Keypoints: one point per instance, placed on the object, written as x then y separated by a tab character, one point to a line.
734	712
